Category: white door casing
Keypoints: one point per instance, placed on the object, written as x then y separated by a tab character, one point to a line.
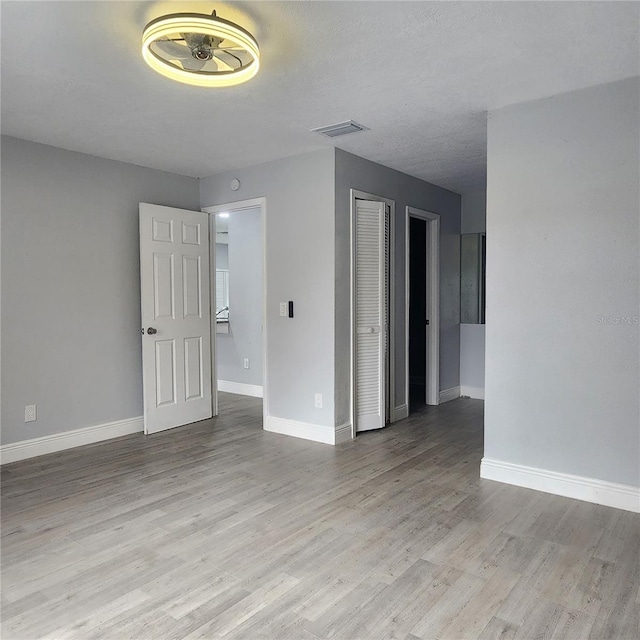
175	300
370	278
230	207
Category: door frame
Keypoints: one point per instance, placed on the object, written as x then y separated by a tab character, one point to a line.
355	194
231	207
432	298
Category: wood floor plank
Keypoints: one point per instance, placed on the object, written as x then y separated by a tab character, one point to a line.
498	629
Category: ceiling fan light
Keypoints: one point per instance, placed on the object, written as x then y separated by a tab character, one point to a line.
162	29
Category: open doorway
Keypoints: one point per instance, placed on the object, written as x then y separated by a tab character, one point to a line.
423	307
417	313
238	304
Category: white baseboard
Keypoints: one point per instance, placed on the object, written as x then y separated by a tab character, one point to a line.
315	432
472	392
24	449
343	433
253	390
449	394
610	494
398	413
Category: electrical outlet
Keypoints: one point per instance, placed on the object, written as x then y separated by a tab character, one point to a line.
318	401
30	413
284	309
246	363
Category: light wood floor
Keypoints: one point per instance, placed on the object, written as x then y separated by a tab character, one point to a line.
222	530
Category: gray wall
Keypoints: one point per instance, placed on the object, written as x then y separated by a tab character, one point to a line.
244	340
300	233
562	336
71	285
353	172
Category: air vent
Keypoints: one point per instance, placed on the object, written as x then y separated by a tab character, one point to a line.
340	129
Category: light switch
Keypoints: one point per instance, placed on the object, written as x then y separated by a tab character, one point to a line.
284	309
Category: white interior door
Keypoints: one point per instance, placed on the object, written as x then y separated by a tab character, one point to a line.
176	316
370	241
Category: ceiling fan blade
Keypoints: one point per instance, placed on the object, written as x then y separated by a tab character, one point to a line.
227	61
231	47
244	56
228	44
173	50
193	64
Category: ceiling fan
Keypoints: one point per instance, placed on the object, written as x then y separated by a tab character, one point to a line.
195	51
200	49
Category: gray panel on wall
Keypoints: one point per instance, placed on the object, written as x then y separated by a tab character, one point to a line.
474	210
472	336
471	281
562	333
71	285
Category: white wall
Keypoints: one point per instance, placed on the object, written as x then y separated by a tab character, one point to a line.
244	261
353	172
300	234
222	255
71	285
562	367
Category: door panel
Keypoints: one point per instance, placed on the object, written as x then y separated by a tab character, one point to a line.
370	314
163	278
176	354
193	368
192	287
165	372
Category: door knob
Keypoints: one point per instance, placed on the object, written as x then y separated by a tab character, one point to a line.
151	331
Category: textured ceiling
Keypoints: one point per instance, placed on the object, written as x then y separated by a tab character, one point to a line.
421	75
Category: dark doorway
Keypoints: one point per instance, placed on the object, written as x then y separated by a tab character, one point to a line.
417	312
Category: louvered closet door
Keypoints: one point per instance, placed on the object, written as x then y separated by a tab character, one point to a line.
370	314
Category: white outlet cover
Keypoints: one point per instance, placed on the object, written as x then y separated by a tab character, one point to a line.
318	402
30	413
284	311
